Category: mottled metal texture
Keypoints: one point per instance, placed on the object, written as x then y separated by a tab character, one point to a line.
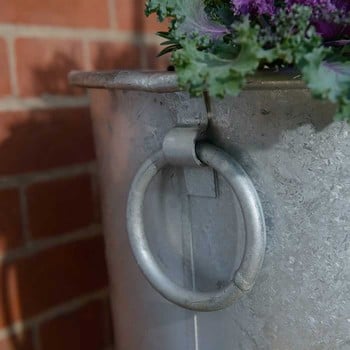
299	161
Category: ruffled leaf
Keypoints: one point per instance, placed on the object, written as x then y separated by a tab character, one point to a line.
196	21
190	15
199	70
329	80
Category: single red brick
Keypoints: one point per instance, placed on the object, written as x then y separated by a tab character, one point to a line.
43	65
67	13
111	55
32	285
18	341
131	17
155	62
84	328
5	85
10	220
44	139
152	24
59	206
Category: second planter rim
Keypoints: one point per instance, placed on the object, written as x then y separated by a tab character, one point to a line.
164	81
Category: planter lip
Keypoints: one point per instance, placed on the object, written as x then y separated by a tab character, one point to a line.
164	81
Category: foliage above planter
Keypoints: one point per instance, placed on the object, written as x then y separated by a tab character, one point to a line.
217	44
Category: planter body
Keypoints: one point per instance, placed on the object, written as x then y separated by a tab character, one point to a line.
299	161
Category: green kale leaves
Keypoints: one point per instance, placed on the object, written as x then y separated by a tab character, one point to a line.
216	50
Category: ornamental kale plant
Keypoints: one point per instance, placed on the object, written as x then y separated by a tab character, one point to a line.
217	44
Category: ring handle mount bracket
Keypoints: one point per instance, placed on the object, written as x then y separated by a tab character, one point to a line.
181	148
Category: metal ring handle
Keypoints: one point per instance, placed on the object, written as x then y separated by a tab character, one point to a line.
254	224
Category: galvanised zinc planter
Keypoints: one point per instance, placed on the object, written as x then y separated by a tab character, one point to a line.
199	230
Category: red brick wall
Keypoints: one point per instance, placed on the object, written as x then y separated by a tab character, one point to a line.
53	280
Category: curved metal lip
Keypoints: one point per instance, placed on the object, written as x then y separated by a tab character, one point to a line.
163	81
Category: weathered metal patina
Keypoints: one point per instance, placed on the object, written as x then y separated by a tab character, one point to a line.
299	161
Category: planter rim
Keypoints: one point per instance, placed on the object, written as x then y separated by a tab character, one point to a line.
163	81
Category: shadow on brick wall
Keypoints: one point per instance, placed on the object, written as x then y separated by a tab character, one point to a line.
39	274
33	282
52	77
